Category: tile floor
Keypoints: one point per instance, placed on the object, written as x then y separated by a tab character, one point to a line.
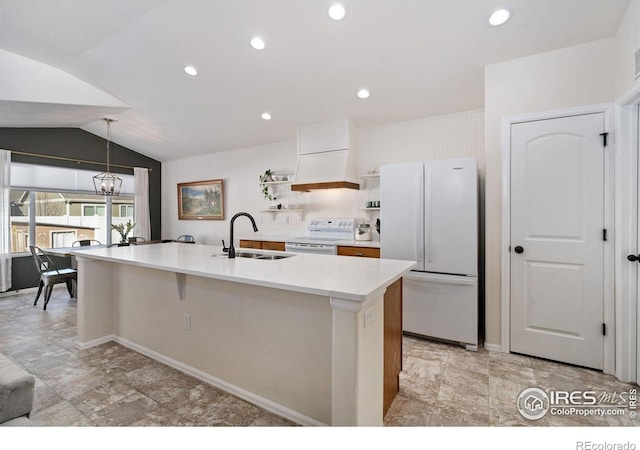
110	385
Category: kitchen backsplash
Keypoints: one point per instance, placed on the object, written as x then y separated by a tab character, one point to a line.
453	136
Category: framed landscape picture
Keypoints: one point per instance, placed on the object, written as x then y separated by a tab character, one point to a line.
201	200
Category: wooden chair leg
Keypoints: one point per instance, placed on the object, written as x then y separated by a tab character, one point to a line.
39	292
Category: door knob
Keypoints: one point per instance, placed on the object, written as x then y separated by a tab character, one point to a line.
633	258
518	249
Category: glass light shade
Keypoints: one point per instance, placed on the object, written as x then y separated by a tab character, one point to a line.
107	183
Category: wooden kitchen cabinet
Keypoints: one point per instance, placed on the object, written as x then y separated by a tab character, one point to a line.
270	245
262	245
392	343
250	244
363	252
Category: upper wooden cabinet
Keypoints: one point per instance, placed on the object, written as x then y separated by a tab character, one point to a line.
364	252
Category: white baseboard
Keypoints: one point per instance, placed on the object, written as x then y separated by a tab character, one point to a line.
493	347
257	400
95	342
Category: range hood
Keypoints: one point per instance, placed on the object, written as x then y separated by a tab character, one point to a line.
326	157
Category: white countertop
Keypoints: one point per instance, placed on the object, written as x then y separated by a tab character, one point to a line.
333	276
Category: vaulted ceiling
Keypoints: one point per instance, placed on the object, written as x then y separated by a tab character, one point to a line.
418	58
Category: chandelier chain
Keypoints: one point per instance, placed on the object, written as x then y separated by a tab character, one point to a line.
108	141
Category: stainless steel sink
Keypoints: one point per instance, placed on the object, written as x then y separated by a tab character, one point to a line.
260	255
254	255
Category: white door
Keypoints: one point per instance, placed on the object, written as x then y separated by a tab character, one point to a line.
557	242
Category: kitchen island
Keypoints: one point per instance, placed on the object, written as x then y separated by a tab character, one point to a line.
301	336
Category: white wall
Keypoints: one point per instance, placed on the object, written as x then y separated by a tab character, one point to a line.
458	135
628	42
575	76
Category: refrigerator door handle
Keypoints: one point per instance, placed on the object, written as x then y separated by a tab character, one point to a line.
420	220
428	235
419	223
440	278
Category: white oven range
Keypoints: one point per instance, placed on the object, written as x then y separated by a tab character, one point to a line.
322	236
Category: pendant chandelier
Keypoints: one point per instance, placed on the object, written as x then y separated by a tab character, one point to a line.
107	183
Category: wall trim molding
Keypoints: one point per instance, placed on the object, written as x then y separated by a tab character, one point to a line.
494	347
95	342
627	335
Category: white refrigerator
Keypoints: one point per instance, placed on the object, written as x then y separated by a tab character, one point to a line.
429	214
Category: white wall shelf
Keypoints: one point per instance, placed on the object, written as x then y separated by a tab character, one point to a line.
371	209
277	183
370	175
284	210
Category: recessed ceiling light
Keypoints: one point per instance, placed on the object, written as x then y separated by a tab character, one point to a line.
190	70
363	93
337	12
499	17
258	43
266	116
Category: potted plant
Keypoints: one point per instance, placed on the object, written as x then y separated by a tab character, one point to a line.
266	177
124	229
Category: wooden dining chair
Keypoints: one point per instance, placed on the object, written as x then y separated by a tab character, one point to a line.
50	275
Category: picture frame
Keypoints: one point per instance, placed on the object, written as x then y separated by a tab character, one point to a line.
201	200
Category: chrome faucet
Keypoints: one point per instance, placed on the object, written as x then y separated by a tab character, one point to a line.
232	250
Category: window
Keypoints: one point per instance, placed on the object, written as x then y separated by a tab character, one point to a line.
53	207
93	210
126	210
58	219
19	221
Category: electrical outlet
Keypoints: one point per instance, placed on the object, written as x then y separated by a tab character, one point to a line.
186	322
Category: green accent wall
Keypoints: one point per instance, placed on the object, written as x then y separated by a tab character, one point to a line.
76	144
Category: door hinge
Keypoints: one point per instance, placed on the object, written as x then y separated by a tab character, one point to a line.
604	329
604	138
604	234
